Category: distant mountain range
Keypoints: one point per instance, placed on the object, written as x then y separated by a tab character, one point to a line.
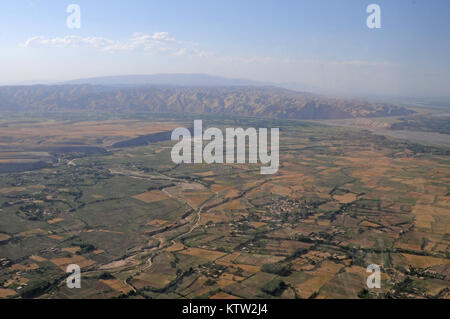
187	94
182	79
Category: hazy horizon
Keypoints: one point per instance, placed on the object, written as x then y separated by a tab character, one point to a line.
321	47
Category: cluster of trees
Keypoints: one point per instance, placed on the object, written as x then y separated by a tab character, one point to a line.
277	269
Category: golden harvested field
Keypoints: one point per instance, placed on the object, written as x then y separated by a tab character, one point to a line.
151	196
37	258
176	247
117	285
248	268
345	199
258	224
8	190
56	237
426	215
223	281
424	261
4	237
280	190
55	220
32	232
232	193
219	187
76	259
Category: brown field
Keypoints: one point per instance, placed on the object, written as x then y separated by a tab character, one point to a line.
8	190
32	232
76	259
424	261
4	293
346	284
323	222
219	187
300	264
176	247
117	285
223	295
18	280
151	196
196	199
4	237
151	279
258	224
55	220
224	281
321	275
206	174
37	258
56	237
280	190
158	222
233	192
248	268
71	250
345	199
426	215
203	253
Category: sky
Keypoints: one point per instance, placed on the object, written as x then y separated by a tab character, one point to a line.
322	46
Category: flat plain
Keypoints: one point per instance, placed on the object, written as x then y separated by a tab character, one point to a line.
141	226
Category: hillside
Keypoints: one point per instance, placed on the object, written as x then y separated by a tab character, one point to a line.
237	100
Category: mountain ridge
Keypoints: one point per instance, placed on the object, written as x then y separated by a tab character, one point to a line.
258	101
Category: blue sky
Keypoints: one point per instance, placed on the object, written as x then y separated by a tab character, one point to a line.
321	46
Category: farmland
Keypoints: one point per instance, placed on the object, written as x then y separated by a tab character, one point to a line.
140	226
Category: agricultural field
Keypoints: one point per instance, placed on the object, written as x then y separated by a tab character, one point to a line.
140	226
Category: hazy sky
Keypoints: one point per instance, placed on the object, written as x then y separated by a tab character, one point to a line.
321	46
